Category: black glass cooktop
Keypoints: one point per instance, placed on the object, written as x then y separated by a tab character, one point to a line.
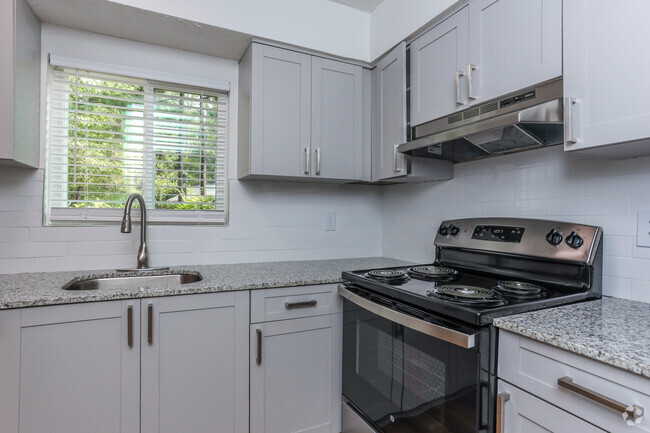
461	295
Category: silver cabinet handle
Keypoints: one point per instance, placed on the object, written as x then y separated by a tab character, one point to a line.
434	330
395	153
306	159
458	75
501	410
569	101
470	93
317	160
631	414
258	358
300	304
129	325
150	324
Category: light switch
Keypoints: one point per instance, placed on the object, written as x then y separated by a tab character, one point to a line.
643	228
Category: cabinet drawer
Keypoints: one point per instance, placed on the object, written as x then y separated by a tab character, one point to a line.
536	367
293	302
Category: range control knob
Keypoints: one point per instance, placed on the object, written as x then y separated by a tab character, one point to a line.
574	240
554	237
443	230
453	230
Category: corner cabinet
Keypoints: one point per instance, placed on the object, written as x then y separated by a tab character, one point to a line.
20	82
605	77
486	49
544	388
151	365
300	116
295	363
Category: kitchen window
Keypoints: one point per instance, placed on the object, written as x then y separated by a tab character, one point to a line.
110	136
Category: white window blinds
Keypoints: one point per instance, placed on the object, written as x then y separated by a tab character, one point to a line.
111	136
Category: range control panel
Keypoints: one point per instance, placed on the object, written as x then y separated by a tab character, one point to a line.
520	236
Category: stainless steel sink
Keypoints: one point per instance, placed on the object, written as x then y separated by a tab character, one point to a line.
134	281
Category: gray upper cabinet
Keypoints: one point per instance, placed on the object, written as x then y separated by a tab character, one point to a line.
439	59
512	44
20	46
300	116
485	50
337	119
389	115
274	119
605	77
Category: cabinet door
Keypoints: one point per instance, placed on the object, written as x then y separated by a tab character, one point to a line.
194	363
74	368
512	44
606	75
523	412
337	120
439	59
280	116
389	111
296	375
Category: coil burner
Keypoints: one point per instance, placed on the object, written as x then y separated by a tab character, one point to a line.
468	295
521	290
389	276
433	273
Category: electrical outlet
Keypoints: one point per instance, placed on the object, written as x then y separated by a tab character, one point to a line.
330	221
643	228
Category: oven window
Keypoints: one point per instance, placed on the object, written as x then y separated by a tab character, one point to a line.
405	381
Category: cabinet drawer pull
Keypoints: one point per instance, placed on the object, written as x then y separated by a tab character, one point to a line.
150	324
300	304
129	325
501	410
258	358
317	160
631	414
458	75
470	93
306	160
395	153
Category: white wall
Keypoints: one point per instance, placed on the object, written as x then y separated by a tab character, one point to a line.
395	20
546	183
317	24
269	221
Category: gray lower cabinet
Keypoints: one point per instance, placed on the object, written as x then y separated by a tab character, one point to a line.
547	389
20	82
300	116
167	364
194	363
295	360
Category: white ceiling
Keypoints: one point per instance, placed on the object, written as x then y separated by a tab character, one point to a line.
362	5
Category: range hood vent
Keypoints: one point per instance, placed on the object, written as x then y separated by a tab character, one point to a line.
523	120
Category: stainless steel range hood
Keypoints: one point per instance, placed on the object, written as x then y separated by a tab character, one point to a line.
521	120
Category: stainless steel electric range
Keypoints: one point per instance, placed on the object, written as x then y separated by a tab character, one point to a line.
419	350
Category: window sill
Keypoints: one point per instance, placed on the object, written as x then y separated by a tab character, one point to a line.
81	216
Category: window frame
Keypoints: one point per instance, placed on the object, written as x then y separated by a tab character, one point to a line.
66	216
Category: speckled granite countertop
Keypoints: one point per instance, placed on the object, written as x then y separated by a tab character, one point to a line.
45	288
612	330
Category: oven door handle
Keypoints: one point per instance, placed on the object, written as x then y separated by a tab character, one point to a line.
449	335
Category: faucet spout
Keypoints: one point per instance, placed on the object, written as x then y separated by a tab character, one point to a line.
143	256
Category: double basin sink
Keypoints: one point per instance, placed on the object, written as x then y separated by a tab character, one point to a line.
145	280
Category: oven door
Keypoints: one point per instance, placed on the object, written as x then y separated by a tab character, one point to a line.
407	374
